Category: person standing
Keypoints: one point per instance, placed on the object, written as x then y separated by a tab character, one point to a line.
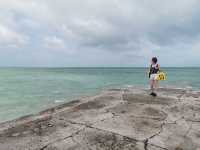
154	69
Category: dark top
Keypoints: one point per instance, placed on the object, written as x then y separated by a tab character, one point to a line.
153	70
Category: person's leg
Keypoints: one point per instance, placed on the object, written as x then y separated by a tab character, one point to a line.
155	86
151	85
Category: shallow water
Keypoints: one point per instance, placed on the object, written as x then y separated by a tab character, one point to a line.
29	90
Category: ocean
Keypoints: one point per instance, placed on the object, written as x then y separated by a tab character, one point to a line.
25	91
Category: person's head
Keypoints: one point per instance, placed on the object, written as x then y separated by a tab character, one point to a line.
154	60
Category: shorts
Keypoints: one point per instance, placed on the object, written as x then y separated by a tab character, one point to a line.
153	76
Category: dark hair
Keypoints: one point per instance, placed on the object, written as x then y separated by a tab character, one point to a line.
155	60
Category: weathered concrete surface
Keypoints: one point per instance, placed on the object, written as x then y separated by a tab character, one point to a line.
117	119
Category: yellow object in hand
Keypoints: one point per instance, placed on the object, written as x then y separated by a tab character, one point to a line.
160	76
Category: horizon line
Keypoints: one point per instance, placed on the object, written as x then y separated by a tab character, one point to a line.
96	67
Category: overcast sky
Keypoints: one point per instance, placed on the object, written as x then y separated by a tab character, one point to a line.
99	32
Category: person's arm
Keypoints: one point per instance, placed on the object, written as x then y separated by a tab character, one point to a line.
158	67
149	73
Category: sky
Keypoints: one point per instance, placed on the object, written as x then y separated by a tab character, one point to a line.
99	33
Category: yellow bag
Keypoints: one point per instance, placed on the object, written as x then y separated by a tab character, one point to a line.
161	76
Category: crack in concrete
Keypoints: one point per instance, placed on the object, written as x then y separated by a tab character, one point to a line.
75	141
188	131
145	142
58	140
92	127
195	121
153	118
175	122
158	147
156	134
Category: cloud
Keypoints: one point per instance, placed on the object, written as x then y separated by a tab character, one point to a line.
10	38
115	29
53	43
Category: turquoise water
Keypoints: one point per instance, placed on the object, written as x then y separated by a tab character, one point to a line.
29	90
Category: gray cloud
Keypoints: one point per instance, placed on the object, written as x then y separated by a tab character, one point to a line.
116	29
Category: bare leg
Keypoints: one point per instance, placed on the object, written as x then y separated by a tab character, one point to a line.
152	85
156	82
155	86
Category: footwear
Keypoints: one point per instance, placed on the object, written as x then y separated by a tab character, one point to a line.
153	94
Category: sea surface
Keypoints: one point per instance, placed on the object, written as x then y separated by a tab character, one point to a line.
25	91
